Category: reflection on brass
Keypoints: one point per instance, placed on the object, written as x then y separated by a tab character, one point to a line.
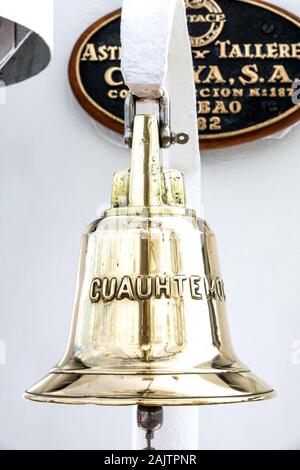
149	324
212	20
238	74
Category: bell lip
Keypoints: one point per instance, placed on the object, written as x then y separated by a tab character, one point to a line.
196	401
150	372
187	389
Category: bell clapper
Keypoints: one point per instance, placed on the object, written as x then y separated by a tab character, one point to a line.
150	419
167	136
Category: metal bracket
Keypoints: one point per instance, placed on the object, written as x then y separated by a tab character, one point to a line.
167	137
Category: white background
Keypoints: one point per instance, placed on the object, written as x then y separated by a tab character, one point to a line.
56	170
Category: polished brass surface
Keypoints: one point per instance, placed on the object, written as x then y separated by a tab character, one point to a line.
149	324
150	419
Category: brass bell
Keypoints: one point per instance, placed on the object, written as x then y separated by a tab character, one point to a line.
149	324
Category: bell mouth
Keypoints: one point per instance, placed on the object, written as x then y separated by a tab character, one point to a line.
150	390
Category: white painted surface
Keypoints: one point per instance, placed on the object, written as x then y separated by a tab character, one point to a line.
55	170
33	14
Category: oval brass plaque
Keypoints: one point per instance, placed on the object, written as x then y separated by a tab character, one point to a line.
246	57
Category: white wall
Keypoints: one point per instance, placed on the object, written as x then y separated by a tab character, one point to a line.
55	171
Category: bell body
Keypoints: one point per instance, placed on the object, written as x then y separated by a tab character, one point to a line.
149	324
